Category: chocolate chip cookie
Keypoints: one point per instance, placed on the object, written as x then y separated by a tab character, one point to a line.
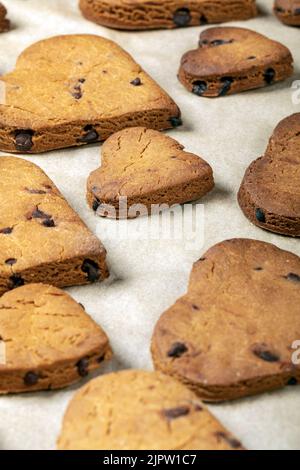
41	238
288	11
138	410
270	192
141	171
74	90
232	334
4	22
154	14
230	60
49	340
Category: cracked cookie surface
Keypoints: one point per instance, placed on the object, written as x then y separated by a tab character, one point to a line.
155	14
42	239
231	60
149	169
269	195
4	22
288	11
47	340
139	410
232	334
74	90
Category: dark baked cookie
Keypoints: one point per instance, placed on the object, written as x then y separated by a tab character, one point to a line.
42	239
50	341
233	333
138	410
78	89
151	14
4	22
288	11
150	169
270	192
230	60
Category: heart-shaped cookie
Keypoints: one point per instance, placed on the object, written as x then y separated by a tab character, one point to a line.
288	11
230	60
4	22
41	238
145	14
139	410
77	89
236	330
270	192
149	169
47	340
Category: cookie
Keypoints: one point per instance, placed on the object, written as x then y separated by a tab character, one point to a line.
145	14
41	238
230	60
4	22
78	89
50	342
149	169
232	334
270	192
288	11
138	410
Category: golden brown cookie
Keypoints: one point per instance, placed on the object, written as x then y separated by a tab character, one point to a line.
49	340
288	11
149	169
4	22
78	89
230	60
270	192
146	14
138	410
232	334
41	238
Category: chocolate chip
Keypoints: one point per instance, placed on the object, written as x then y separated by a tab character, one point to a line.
202	259
260	216
83	367
269	76
182	17
177	350
265	354
220	42
176	121
101	359
90	136
251	57
199	87
16	281
31	378
35	191
92	269
234	443
226	85
23	140
292	382
293	277
96	204
37	214
11	261
136	82
81	80
6	230
203	19
174	413
81	305
258	268
48	223
195	307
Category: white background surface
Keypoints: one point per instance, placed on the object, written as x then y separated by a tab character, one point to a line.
148	276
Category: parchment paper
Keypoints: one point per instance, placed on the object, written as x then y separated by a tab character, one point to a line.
149	275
